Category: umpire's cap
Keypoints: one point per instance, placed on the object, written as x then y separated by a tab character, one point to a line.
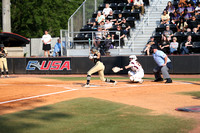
1	46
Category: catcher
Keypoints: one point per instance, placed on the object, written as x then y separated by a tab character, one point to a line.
3	61
136	73
99	67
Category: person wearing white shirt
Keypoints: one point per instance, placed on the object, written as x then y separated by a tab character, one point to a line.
106	10
197	10
173	45
46	39
108	25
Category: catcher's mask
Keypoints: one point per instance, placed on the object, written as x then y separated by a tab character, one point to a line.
133	57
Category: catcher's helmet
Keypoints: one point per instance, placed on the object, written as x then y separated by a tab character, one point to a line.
133	57
1	45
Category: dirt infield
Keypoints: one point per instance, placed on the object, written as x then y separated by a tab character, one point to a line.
21	92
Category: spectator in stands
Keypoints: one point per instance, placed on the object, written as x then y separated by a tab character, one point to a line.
175	18
181	8
197	9
119	19
94	26
125	27
167	34
186	15
147	50
164	46
102	25
187	46
190	2
188	32
106	10
100	18
182	25
182	2
170	9
190	9
98	37
108	25
138	4
165	18
46	39
111	17
130	1
107	43
193	23
119	34
195	31
173	45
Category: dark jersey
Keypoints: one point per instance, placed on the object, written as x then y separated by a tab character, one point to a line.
2	54
95	58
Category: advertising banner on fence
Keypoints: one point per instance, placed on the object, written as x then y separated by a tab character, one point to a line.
48	65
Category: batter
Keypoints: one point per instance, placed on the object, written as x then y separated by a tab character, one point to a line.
99	67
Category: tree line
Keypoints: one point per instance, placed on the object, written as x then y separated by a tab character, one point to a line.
30	18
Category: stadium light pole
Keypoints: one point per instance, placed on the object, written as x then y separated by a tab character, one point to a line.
6	16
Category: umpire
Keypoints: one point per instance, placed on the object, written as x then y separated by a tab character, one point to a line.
163	65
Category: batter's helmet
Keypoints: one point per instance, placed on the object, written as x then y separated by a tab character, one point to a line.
1	45
94	49
133	57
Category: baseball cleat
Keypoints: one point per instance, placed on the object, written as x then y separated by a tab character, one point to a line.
2	76
87	86
169	80
7	76
158	80
141	81
115	83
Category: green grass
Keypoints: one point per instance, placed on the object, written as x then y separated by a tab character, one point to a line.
89	115
196	94
187	79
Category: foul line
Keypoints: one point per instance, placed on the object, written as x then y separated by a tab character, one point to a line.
37	96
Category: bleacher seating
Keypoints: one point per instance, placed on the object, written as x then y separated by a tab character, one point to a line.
118	7
181	36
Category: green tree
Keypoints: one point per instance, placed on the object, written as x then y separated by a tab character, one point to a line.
30	18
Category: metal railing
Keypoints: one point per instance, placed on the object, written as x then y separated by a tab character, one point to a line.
80	17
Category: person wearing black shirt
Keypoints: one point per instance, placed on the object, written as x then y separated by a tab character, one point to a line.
125	26
193	23
111	17
119	19
187	46
119	34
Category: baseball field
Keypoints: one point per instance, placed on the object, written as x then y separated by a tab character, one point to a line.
59	103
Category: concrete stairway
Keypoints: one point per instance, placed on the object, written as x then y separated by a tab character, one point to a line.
141	35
